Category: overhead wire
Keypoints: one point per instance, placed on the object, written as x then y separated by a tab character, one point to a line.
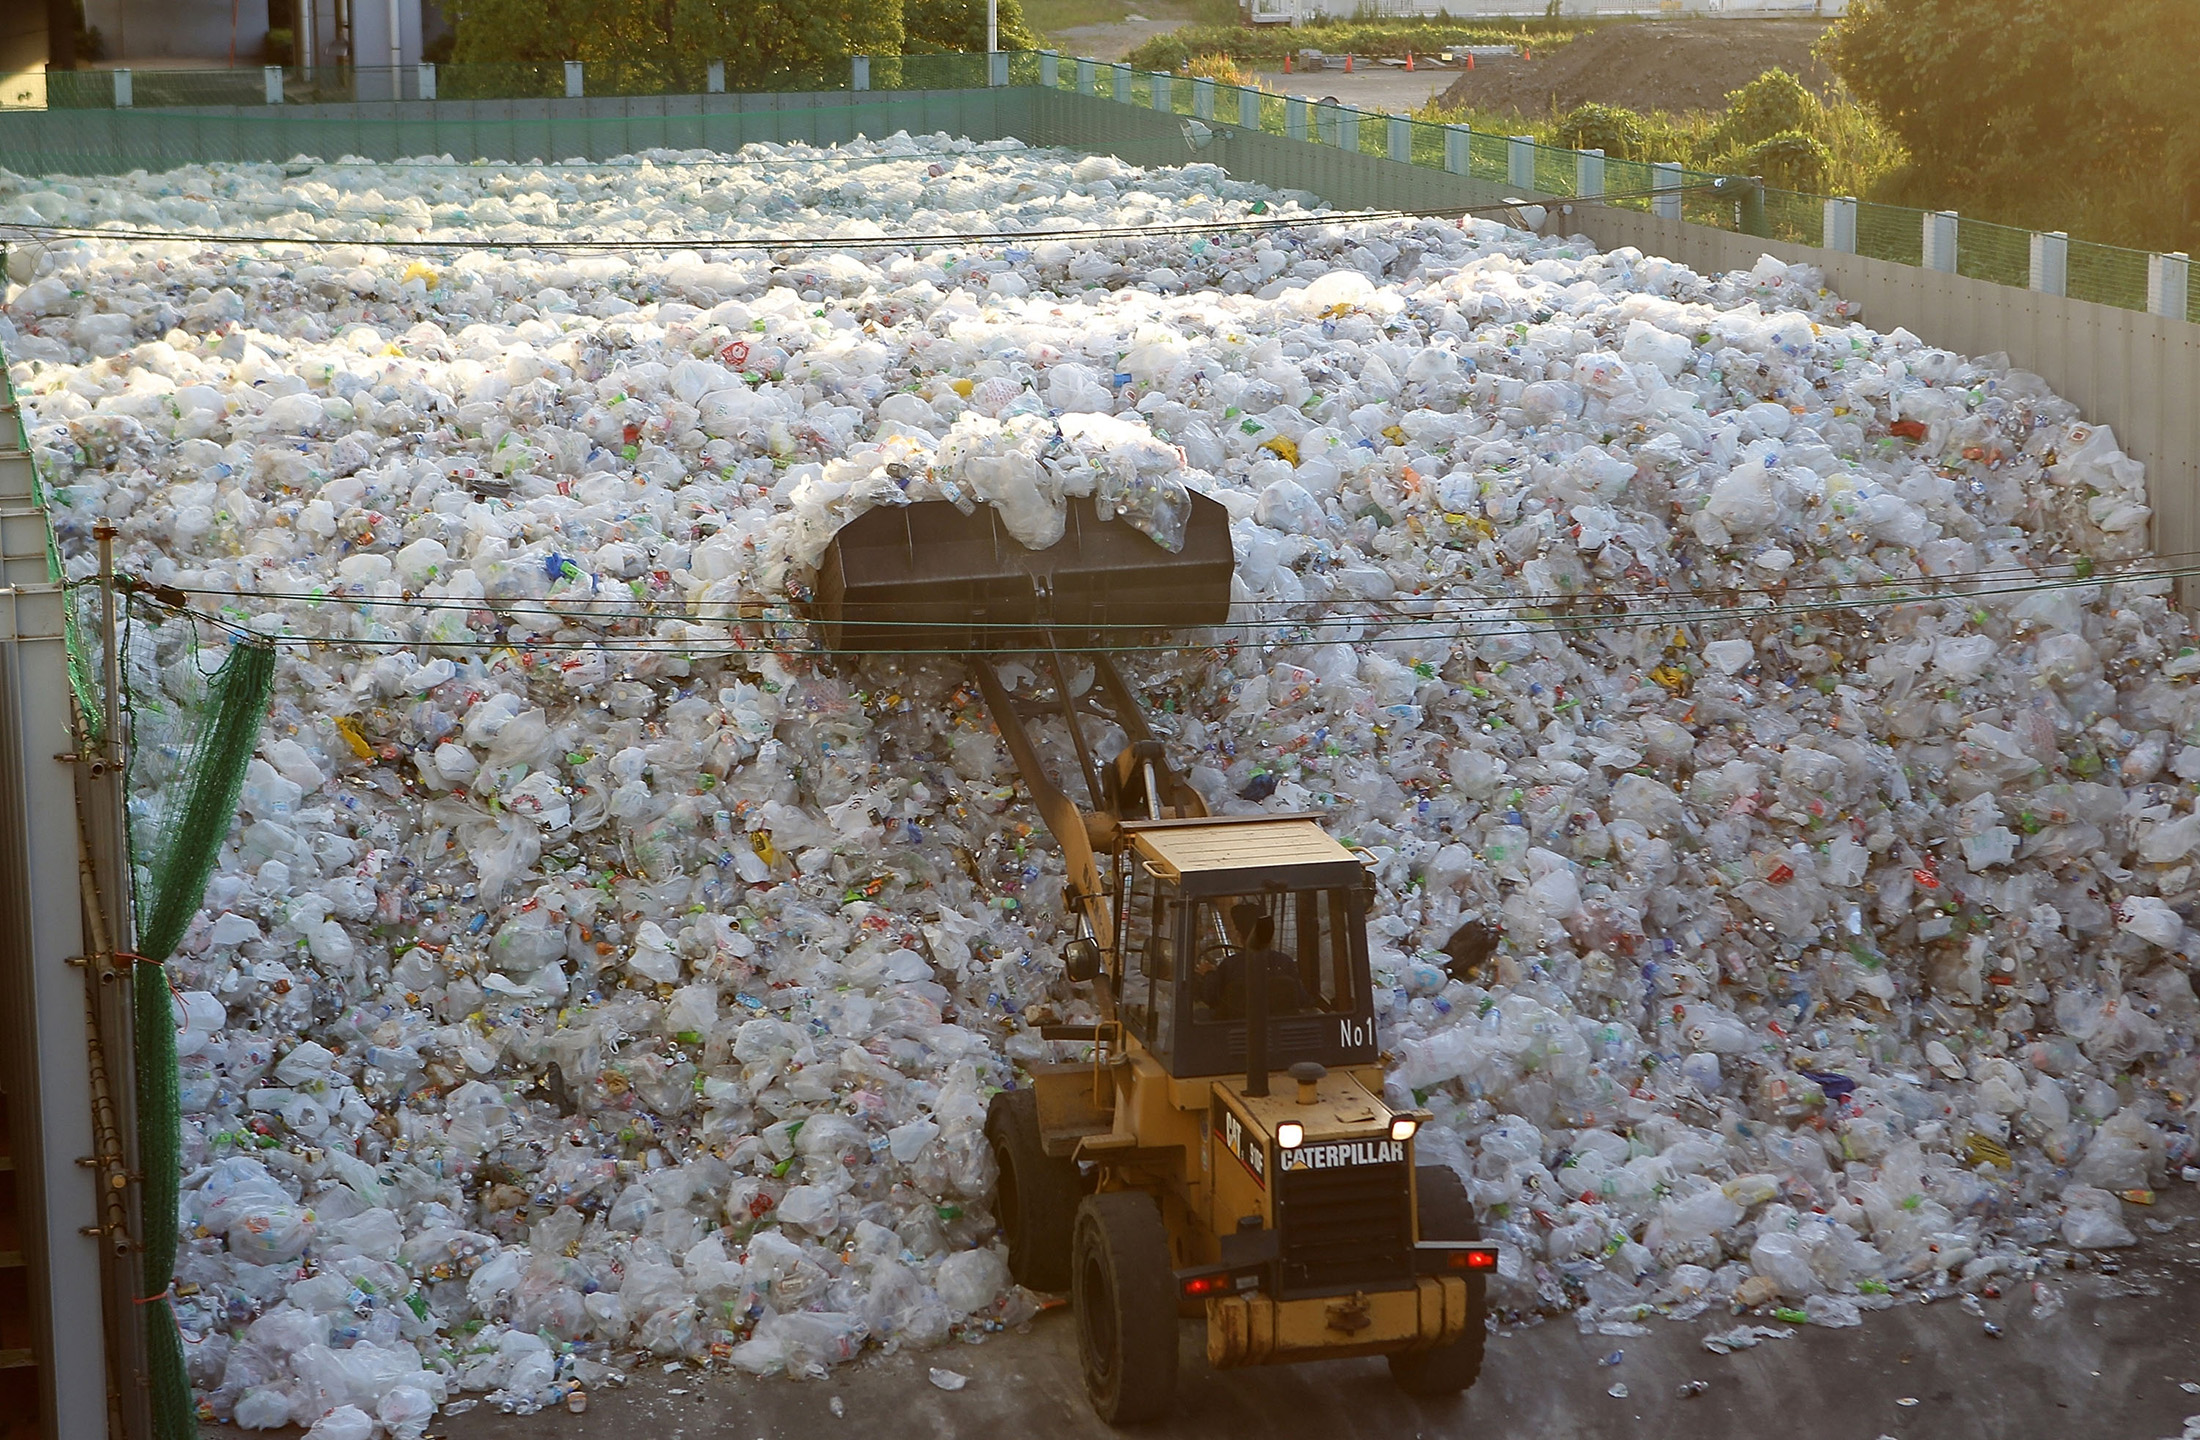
1414	627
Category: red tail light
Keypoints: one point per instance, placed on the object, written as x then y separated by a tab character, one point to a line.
1200	1285
1474	1259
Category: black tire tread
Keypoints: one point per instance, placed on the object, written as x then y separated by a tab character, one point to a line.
1124	1230
1447	1214
1046	1190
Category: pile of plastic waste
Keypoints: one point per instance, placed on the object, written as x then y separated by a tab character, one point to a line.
595	971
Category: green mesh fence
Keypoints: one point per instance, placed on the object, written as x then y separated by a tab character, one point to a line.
568	127
192	737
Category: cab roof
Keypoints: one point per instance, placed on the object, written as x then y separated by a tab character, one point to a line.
1237	855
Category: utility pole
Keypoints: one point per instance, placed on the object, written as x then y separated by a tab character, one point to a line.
992	26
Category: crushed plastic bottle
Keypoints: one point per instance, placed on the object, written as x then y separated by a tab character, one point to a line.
1772	765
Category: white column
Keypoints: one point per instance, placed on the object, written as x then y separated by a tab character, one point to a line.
996	68
1520	162
397	44
1401	139
1122	84
1203	98
1840	224
1086	81
2051	262
1940	240
271	80
993	27
1666	204
574	87
427	80
1294	117
1249	109
123	97
2169	278
1050	69
1458	149
1162	96
1589	173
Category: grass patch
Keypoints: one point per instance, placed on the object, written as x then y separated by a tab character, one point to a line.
1049	16
1268	45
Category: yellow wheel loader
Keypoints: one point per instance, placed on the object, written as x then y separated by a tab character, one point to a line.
1226	1153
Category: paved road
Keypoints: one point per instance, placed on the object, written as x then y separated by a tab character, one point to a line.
2107	1367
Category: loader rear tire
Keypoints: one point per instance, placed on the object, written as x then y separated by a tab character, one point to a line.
1036	1195
1447	1214
1124	1292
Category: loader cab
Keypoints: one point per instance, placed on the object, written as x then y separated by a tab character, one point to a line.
1207	908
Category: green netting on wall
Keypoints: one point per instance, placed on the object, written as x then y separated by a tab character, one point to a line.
193	733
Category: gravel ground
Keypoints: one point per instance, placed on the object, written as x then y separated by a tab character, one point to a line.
2109	1363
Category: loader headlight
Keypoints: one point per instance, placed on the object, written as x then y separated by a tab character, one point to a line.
1290	1135
1403	1126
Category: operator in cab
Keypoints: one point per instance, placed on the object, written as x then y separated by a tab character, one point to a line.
1221	989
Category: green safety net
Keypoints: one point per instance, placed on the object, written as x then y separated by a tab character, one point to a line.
193	736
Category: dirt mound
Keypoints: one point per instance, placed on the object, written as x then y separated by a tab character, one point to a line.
1655	65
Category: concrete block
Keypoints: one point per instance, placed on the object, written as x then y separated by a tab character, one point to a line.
2169	280
2050	263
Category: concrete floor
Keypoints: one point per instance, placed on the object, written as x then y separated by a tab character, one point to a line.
2110	1364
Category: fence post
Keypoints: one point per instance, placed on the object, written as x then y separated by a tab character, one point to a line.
1249	109
1940	240
859	74
574	88
1122	84
1203	98
2169	280
1840	224
1161	95
1520	162
271	80
1327	122
1050	69
1085	72
1294	117
2051	262
1459	149
123	98
1749	217
1589	173
427	80
1666	181
996	68
1401	139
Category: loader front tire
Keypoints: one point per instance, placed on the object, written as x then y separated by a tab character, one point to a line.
1446	1214
1036	1195
1124	1293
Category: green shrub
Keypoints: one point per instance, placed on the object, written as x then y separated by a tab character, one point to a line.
1619	133
1775	103
1790	160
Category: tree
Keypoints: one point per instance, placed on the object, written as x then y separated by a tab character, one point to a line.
667	42
2051	114
946	26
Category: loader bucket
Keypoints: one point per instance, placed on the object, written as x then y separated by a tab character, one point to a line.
926	577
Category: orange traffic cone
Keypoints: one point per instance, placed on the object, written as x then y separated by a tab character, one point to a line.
1527	55
1287	64
1409	62
1348	64
1470	59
